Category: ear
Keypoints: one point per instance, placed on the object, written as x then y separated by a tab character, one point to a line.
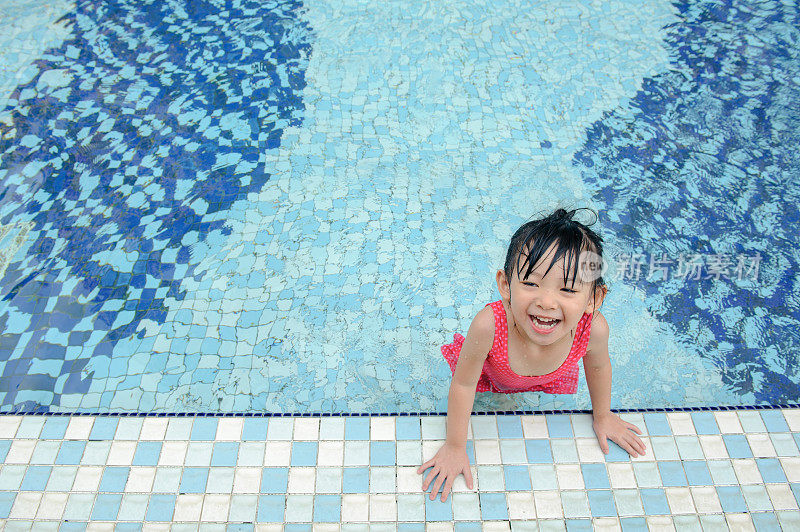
595	302
502	285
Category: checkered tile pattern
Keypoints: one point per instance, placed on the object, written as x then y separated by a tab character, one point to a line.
704	469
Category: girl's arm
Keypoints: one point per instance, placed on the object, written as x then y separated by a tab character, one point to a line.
597	368
451	460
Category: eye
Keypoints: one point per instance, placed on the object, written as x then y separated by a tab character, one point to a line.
570	290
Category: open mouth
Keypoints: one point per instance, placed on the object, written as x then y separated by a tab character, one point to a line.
542	325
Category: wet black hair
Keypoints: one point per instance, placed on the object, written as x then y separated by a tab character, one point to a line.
571	236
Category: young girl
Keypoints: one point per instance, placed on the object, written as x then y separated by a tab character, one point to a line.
532	339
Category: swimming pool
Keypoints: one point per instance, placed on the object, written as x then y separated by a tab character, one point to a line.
288	207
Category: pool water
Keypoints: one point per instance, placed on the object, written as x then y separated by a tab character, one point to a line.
288	207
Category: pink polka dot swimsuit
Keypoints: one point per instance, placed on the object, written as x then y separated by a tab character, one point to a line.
497	376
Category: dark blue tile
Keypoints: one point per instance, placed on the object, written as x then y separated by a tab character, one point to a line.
408	428
254	429
731	499
225	453
672	474
327	508
194	480
705	423
160	507
147	453
271	508
382	453
595	476
509	427
654	501
657	424
697	473
601	503
274	479
106	507
204	429
539	451
355	480
517	478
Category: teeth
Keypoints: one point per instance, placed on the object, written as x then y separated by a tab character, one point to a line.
545	324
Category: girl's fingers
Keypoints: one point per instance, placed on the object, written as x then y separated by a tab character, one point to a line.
425	466
429	478
634	428
468	476
436	486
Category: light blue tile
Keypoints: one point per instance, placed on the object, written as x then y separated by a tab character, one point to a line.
689	448
382	480
30	427
70	452
513	452
628	502
381	453
601	503
407	428
657	424
114	479
220	479
161	507
564	451
271	508
484	427
44	453
509	426
737	446
771	470
672	474
35	478
254	429
198	453
774	420
755	495
243	508
133	507
274	480
558	426
765	521
654	501
491	478
543	477
686	523
204	428
582	425
647	475
129	428
575	503
705	423
722	472
697	473
327	508
595	476
95	452
11	476
106	507
167	479
147	453
225	453
664	448
789	520
634	524
539	451
784	444
61	478
517	478
493	506
730	497
194	480
78	507
410	507
751	421
356	428
6	502
436	510
103	428
178	429
54	428
5	445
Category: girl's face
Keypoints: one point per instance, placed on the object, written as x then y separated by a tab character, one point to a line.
546	297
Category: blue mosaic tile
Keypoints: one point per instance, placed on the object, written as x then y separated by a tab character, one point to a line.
147	453
274	480
194	480
160	507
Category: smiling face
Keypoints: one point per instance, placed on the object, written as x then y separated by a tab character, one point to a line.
547	296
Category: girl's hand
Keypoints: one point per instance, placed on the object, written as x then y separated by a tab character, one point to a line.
612	427
448	463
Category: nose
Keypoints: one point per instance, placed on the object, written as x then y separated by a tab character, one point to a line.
546	302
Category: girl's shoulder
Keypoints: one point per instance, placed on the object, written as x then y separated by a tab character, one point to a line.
481	331
598	336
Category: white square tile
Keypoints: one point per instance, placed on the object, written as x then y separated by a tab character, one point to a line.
681	423
660	523
220	480
280	428
356	452
306	428
582	425
408	481
251	453
96	526
621	475
173	453
87	478
460	483
382	428
430	448
179	428
521	505
576	503
140	479
198	454
680	500
355	507
154	428
9	426
188	507
728	422
484	427
466	507
129	428
299	508
330	453
277	453
713	446
52	506
331	428
382	479
121	453
649	455
589	450
329	480
497	526
740	522
25	505
487	452
247	480
534	427
706	500
79	428
409	452
747	471
781	496
215	508
792	416
20	451
569	476
791	467
155	527
548	504
229	429
382	507
301	480
761	445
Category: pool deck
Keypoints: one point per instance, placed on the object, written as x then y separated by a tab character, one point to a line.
704	470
